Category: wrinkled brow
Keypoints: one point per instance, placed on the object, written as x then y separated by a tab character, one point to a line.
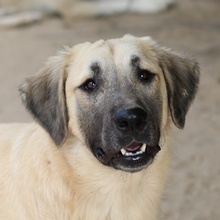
135	61
96	68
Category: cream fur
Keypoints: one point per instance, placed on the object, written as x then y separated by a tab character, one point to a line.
40	181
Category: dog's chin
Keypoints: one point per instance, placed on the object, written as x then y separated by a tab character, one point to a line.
132	158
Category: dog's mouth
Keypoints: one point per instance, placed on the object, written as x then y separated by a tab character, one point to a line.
133	150
135	157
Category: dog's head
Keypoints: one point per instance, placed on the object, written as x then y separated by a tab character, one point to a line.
116	96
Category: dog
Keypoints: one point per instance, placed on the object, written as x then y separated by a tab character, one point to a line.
99	148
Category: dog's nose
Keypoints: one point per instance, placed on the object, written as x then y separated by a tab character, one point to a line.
130	120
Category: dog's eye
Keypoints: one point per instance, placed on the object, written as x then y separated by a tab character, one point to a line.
89	85
146	75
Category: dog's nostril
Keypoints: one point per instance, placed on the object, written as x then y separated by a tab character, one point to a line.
139	123
123	125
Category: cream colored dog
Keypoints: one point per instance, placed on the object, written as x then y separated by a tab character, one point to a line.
100	148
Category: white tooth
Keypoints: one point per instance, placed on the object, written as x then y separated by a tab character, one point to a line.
128	154
143	148
139	152
123	151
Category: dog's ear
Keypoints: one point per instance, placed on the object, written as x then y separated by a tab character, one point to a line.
44	97
182	77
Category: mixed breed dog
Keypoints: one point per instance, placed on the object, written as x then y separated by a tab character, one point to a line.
99	148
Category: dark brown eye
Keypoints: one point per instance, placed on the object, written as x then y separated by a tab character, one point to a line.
89	85
146	75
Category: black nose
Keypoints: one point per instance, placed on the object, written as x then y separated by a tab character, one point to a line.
130	120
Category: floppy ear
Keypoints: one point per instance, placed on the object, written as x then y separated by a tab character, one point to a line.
182	77
44	97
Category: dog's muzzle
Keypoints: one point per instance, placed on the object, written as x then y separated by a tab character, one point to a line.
136	155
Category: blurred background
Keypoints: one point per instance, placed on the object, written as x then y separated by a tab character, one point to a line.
31	31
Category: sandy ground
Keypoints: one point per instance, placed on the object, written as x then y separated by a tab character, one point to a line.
193	189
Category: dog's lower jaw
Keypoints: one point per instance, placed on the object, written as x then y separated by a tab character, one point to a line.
132	158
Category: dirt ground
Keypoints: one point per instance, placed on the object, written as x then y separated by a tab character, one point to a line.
193	189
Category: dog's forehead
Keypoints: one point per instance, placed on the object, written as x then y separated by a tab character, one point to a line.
113	54
117	51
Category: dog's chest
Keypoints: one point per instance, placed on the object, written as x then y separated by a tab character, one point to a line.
102	193
125	201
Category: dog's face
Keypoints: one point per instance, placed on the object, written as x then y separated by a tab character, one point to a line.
115	96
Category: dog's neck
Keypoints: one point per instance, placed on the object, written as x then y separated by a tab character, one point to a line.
102	187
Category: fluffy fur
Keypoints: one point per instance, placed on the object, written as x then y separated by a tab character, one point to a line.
41	180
